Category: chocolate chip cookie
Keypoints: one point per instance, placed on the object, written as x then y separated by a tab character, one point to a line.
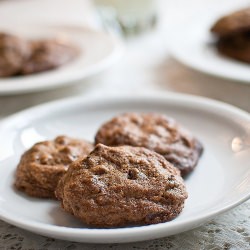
14	51
156	132
120	186
42	166
47	55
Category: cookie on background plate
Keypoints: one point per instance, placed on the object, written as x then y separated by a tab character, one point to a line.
236	47
47	55
232	34
14	51
233	23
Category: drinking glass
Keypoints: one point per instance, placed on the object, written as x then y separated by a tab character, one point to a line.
127	16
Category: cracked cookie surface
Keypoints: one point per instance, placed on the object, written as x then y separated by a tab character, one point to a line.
42	166
156	132
120	186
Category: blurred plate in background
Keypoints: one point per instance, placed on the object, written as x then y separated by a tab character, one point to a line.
193	46
97	51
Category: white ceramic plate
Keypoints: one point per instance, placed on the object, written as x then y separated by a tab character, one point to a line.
97	51
220	181
194	47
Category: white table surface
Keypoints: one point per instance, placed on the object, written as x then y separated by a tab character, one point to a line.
146	66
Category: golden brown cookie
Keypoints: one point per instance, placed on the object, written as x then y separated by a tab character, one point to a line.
42	166
120	186
14	51
156	132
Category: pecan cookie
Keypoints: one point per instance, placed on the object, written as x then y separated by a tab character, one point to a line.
42	166
156	132
119	186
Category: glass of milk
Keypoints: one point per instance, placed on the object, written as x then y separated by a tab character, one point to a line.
127	16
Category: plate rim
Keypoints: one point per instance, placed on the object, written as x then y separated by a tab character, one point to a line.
107	235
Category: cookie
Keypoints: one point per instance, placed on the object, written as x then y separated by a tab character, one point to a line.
236	22
47	55
120	186
42	166
156	132
14	51
236	47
